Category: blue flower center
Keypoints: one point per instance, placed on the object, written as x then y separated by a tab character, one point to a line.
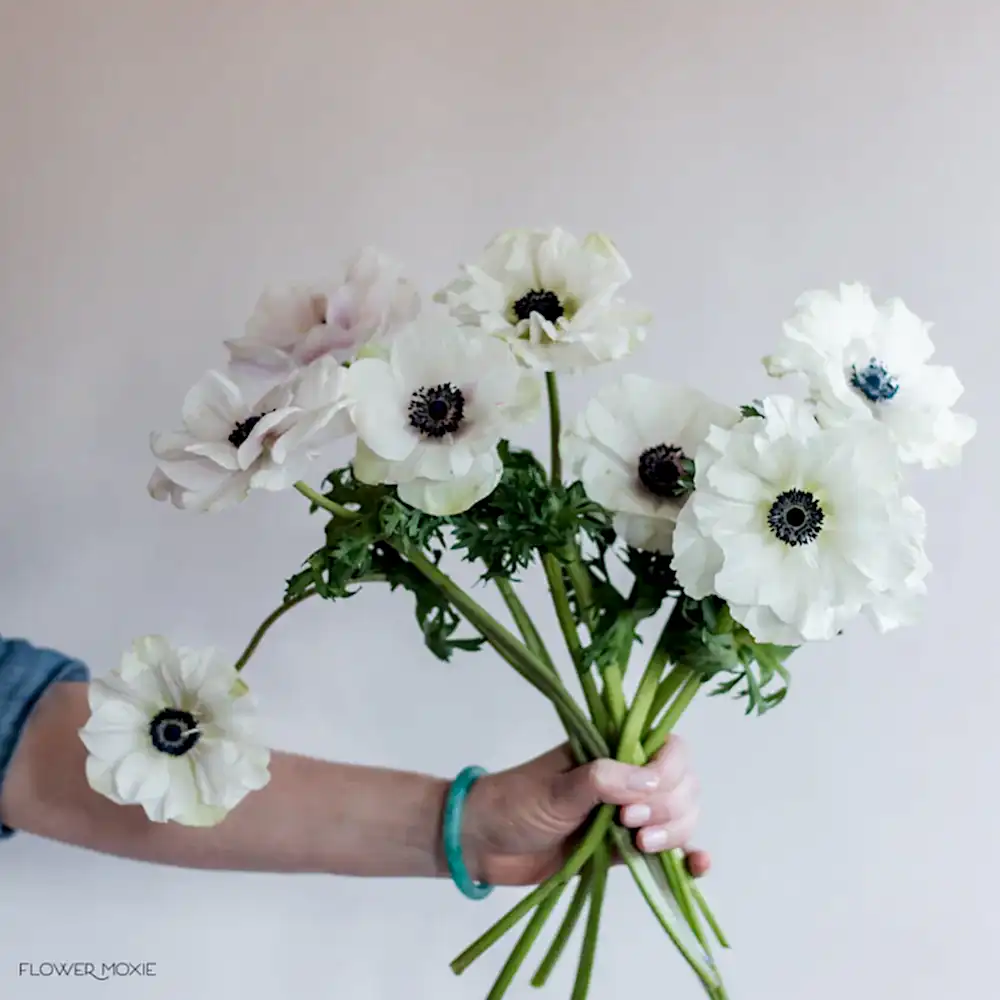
874	382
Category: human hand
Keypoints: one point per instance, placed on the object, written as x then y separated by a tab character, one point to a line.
520	824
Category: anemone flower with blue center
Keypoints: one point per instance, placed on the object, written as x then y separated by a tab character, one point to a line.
868	361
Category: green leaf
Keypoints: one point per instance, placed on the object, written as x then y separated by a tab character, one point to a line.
525	515
358	550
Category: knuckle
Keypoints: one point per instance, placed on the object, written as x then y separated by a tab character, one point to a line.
596	775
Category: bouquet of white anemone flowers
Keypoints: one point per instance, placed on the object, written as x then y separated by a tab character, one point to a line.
752	529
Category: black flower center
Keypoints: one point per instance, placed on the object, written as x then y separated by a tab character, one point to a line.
546	304
661	469
174	731
437	410
796	518
244	429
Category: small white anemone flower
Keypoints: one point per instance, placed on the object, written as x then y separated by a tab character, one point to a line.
292	327
230	446
553	298
631	448
432	411
866	361
174	731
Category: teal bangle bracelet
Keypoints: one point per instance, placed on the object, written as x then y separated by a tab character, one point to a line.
453	809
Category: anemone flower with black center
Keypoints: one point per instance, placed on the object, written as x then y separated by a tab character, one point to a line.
230	445
800	528
632	447
554	298
863	361
432	412
174	730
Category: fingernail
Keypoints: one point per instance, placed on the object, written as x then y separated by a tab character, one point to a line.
655	840
642	781
637	815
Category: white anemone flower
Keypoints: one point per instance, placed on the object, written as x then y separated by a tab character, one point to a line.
629	448
800	528
433	411
174	731
552	297
229	446
864	361
291	328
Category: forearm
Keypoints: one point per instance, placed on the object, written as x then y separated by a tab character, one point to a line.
313	816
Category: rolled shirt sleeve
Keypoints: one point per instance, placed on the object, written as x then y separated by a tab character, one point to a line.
26	673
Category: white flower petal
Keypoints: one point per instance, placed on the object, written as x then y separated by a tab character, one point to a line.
582	278
862	361
125	762
629	432
750	542
453	496
651	534
213	407
379	409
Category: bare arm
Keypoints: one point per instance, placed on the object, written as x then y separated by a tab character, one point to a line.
313	816
318	816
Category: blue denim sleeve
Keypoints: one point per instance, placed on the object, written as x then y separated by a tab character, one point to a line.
26	672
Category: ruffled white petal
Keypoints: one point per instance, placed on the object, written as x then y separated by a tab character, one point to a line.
124	764
604	447
596	325
861	361
865	555
445	498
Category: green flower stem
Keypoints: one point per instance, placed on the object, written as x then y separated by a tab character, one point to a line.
580	579
524	943
534	642
679	880
560	599
639	866
598	829
630	750
566	928
658	735
555	425
638	715
601	863
669	686
530	634
526	663
614	694
339	510
517	654
708	915
267	623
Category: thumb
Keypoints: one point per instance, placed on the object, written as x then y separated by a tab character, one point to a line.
577	792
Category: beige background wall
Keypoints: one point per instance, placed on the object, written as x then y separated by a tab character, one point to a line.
161	161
